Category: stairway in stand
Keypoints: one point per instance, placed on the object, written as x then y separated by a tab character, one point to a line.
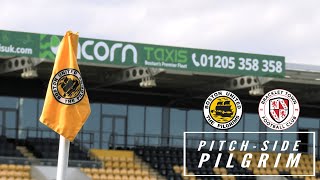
25	152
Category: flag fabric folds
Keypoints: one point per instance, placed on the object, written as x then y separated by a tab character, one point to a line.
66	106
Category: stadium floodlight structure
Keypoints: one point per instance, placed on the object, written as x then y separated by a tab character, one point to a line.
29	73
26	64
254	83
257	90
148	82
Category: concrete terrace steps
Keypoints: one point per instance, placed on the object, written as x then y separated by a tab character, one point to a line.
147	166
25	152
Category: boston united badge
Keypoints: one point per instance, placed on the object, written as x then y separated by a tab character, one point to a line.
67	86
222	109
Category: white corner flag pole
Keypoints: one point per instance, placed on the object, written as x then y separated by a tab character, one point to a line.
63	157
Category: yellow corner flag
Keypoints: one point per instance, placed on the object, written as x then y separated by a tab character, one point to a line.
66	106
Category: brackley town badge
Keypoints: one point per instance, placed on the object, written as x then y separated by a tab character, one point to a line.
279	109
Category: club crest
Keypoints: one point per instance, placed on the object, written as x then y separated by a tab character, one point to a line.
222	109
279	109
67	86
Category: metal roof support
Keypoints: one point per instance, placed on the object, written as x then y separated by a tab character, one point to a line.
255	83
132	74
18	63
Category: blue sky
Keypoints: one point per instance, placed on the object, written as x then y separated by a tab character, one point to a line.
288	28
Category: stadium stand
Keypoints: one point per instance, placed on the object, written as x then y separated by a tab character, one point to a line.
15	172
145	162
305	166
18	156
8	148
161	160
14	168
120	165
169	162
125	113
48	148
